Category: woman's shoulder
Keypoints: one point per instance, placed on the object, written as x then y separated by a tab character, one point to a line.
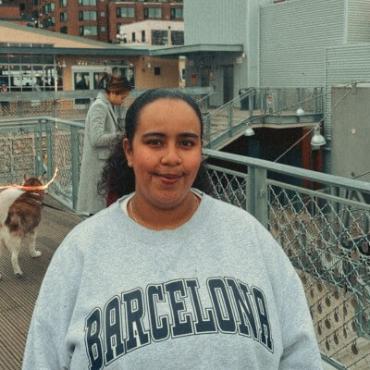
89	230
221	208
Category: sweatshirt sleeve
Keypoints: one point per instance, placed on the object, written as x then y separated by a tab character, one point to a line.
96	132
300	347
46	348
300	344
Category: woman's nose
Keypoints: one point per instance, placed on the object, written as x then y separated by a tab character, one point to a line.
171	156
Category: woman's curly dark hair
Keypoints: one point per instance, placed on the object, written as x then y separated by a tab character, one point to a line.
117	177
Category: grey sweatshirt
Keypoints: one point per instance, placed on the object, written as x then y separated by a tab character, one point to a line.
215	293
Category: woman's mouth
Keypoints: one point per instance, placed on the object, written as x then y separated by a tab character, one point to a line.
168	178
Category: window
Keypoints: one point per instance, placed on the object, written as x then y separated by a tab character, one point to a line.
143	36
63	17
124	12
159	37
177	37
102	29
87	16
133	37
102	14
64	29
30	77
48	8
157	71
81	82
63	3
87	2
152	13
176	13
88	30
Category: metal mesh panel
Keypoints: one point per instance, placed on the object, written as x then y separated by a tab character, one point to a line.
65	108
17	154
62	139
326	236
328	241
228	185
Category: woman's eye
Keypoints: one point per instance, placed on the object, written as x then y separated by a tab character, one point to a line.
187	143
154	142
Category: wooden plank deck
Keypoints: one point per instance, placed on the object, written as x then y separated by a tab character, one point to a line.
18	295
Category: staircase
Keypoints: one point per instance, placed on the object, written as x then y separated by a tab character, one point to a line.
257	108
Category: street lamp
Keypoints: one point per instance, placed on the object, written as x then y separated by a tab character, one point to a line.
317	139
249	131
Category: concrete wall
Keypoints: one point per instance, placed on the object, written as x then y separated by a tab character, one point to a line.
145	77
358	24
215	21
294	35
351	132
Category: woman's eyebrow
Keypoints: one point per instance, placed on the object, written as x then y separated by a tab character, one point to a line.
189	134
182	134
154	134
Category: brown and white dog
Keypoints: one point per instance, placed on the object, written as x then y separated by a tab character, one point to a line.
20	215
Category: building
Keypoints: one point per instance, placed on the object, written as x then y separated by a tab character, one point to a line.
152	33
123	13
55	62
10	12
295	45
96	19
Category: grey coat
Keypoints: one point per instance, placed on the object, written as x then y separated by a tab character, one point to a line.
101	129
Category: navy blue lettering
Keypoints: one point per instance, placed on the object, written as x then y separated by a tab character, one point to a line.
159	325
265	330
244	308
92	339
181	322
113	337
202	324
222	305
134	322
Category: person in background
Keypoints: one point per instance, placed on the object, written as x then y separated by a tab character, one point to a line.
101	130
168	277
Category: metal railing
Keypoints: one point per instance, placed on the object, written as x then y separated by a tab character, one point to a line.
72	105
258	107
321	221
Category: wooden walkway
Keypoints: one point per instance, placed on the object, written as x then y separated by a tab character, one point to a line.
18	295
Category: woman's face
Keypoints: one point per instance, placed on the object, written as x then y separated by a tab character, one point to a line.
165	152
117	99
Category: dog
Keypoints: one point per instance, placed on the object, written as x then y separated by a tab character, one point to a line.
20	216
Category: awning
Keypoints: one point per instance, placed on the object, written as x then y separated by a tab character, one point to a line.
197	49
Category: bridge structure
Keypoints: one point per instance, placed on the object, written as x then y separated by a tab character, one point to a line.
321	221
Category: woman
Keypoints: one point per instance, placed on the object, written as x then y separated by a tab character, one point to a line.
101	129
168	277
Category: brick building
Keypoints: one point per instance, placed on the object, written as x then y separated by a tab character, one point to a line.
10	12
96	19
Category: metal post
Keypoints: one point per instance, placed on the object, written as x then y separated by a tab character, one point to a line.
251	102
230	114
38	147
207	123
50	159
75	158
257	194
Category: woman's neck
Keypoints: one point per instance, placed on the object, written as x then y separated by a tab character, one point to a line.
156	218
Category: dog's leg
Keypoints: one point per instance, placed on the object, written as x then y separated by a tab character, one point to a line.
15	244
31	240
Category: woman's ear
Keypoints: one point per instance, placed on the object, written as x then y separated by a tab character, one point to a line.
127	148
